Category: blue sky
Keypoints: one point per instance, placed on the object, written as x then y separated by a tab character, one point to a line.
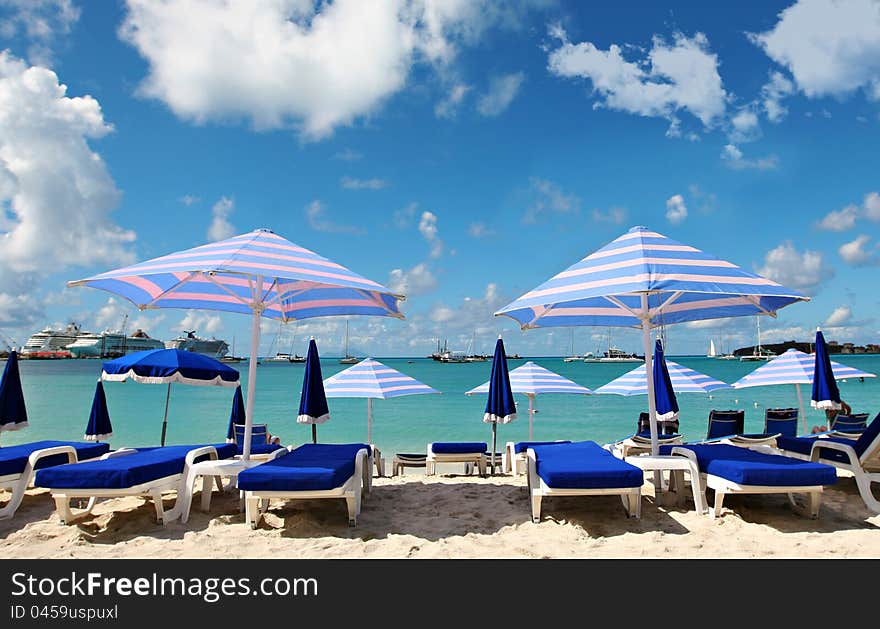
460	152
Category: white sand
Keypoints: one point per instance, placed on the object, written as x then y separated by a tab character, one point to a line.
453	516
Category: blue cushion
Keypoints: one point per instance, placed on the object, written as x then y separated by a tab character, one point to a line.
310	467
13	459
147	464
460	447
747	467
259	448
522	446
804	445
584	465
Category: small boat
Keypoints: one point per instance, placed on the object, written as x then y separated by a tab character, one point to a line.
758	352
348	359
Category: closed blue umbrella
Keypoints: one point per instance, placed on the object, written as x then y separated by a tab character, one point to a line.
13	414
313	407
644	280
664	395
170	366
826	395
99	427
500	406
237	416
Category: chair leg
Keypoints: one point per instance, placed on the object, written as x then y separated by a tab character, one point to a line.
252	511
156	496
536	508
863	482
719	501
15	500
207	486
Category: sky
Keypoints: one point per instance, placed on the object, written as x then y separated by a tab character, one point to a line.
460	152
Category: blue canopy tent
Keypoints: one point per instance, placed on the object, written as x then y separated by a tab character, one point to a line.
500	405
645	280
99	427
825	394
13	413
169	366
313	407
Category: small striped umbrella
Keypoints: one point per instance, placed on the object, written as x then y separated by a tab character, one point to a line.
372	380
683	380
797	368
531	380
313	407
258	273
99	427
645	280
13	413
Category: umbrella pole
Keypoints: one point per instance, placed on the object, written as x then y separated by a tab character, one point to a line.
649	376
314	433
531	417
252	367
165	419
801	407
369	420
494	429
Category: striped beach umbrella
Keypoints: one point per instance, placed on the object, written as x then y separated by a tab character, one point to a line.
372	380
683	380
313	407
99	427
13	413
797	368
258	273
531	380
825	394
645	280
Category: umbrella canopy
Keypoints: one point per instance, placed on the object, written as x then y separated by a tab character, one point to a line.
530	380
664	395
644	279
13	414
258	273
99	427
313	407
237	415
500	406
683	380
169	366
371	379
825	395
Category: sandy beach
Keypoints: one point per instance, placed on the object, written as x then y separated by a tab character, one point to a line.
453	516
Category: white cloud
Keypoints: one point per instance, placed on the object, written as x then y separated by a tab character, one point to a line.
502	90
448	106
314	65
772	93
39	21
872	207
418	280
858	253
316	216
549	198
840	316
831	47
348	155
472	314
480	230
350	183
221	228
428	229
840	220
734	158
403	217
706	201
793	269
676	211
614	216
676	77
744	126
203	323
189	199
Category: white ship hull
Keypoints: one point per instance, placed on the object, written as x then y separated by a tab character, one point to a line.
215	348
109	345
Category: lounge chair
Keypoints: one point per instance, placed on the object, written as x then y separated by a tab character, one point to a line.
404	460
19	463
514	461
730	469
860	457
583	468
309	471
664	426
143	472
852	425
728	427
262	443
640	443
469	452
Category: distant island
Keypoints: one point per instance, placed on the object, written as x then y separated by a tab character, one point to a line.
833	348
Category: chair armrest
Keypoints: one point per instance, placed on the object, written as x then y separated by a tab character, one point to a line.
195	453
45	452
278	453
118	452
821	444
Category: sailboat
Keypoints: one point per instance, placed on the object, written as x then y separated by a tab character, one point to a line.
758	353
722	355
293	357
471	356
712	353
232	358
572	357
348	359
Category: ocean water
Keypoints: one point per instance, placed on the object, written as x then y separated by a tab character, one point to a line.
59	396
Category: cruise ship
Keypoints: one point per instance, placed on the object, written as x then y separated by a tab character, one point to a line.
111	344
188	341
50	342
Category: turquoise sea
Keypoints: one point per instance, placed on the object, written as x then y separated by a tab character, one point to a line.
59	396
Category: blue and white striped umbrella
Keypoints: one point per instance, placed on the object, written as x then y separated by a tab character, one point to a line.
644	279
371	379
99	427
825	394
258	273
530	380
684	380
